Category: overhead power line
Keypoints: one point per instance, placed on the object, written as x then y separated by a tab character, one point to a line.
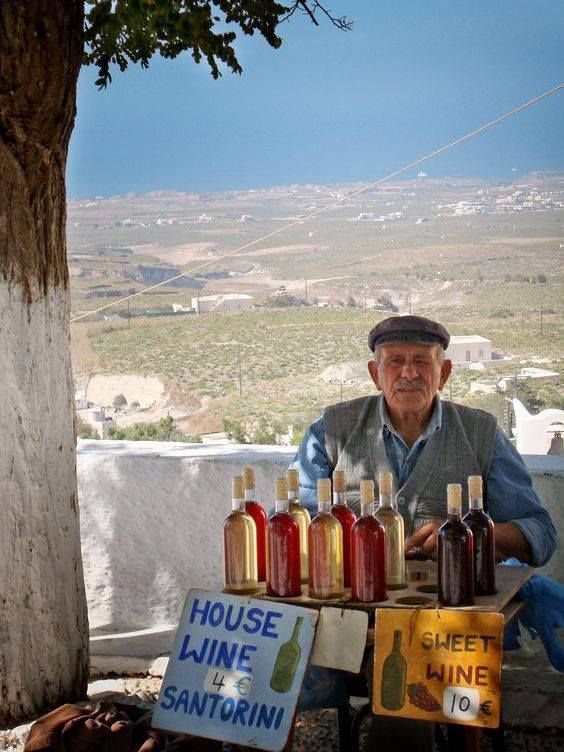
317	212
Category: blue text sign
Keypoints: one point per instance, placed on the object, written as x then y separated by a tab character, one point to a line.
236	669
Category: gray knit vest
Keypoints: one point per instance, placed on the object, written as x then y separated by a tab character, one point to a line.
463	446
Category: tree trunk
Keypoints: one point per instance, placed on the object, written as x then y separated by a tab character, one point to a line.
43	620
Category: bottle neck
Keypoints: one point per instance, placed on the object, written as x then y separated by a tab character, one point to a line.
386	501
476	504
292	496
297	626
454	513
250	494
397	640
324	507
366	509
339	497
281	505
238	505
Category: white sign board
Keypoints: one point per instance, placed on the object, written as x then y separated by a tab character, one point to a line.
236	669
340	639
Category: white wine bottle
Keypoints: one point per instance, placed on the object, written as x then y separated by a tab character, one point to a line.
325	548
394	527
239	546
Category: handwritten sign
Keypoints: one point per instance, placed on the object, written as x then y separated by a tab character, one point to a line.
236	669
438	665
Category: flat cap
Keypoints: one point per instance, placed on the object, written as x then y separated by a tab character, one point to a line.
414	329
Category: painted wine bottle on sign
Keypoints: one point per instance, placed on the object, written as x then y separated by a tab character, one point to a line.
287	661
258	514
239	546
392	521
283	578
394	675
368	551
346	517
455	554
325	542
482	527
301	515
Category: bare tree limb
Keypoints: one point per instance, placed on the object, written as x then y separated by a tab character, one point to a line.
311	7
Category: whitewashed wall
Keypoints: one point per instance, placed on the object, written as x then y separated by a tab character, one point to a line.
151	517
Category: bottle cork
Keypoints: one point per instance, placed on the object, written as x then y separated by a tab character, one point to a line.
293	479
324	490
366	491
281	492
238	492
339	482
454	496
385	482
475	486
249	477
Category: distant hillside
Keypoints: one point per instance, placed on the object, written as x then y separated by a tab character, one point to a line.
484	258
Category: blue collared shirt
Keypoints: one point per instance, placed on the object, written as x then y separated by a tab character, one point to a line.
509	489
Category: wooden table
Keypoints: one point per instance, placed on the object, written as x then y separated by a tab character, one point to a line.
421	590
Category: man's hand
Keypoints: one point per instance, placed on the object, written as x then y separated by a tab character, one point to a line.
424	539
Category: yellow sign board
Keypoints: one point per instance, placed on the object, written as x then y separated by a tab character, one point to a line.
438	665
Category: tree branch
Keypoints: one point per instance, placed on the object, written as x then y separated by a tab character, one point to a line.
310	8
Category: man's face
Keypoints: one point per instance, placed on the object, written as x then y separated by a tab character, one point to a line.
409	375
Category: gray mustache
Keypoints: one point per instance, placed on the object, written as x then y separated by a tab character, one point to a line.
405	384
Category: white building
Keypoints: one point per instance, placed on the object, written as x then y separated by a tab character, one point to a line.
471	348
538	374
228	302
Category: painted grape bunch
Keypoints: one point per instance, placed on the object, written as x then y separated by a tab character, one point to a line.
420	696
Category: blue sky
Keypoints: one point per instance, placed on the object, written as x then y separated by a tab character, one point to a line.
332	106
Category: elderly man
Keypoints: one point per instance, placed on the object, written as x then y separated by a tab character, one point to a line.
426	443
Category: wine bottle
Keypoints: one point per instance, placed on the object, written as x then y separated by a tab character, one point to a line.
368	551
346	517
482	528
239	546
394	674
259	516
287	661
392	521
301	515
455	560
284	566
325	545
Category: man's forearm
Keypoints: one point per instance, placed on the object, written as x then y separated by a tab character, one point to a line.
510	541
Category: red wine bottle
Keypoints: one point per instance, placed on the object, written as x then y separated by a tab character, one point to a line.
368	551
259	516
455	554
346	517
284	576
482	528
